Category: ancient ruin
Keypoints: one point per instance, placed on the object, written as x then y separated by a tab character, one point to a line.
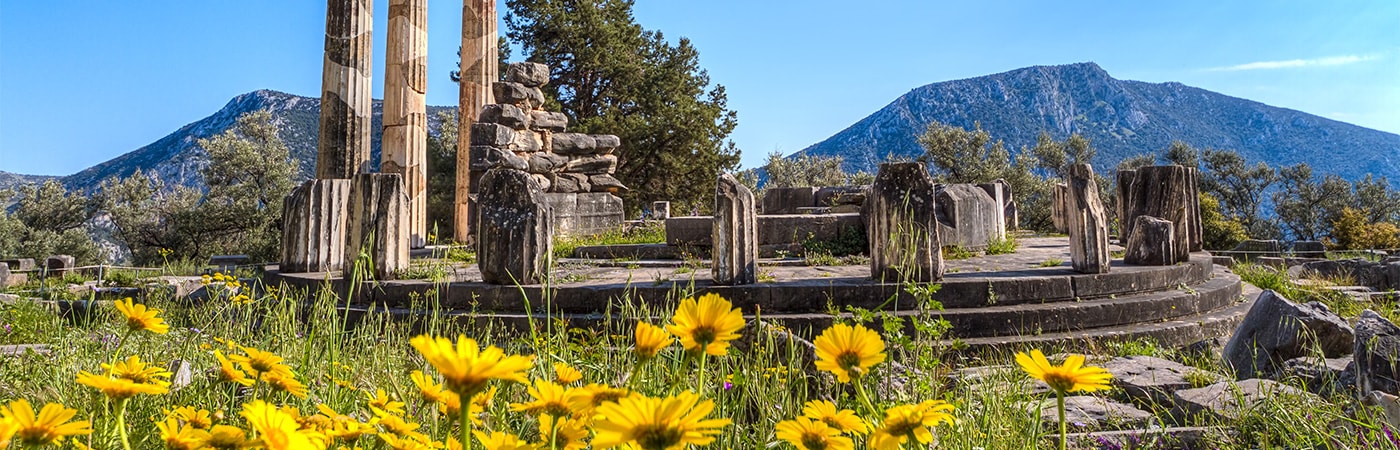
515	233
377	232
405	138
1087	222
478	69
734	234
343	147
1165	192
902	225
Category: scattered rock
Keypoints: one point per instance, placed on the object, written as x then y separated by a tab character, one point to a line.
181	374
1377	354
1092	412
1154	379
1320	375
1275	330
1228	399
1390	406
1174	437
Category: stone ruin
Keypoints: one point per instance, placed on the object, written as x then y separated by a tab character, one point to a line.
573	170
902	227
1165	193
968	216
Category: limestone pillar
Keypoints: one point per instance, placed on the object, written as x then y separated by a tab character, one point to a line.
1151	243
479	71
1058	204
405	141
342	149
313	226
1087	222
1165	192
734	235
902	226
377	227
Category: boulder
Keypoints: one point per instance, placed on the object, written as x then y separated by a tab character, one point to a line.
1276	330
1377	354
967	216
1087	222
571	144
528	74
734	235
517	94
1228	399
514	229
508	115
1320	375
902	225
1151	243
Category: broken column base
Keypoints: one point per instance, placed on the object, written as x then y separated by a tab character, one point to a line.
376	237
313	226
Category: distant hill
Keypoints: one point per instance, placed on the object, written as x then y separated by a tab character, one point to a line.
177	157
1121	118
9	179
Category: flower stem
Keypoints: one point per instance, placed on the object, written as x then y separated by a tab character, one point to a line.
465	416
700	388
1060	404
120	342
121	423
864	398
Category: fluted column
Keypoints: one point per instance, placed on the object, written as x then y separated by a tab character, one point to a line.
478	72
405	141
343	147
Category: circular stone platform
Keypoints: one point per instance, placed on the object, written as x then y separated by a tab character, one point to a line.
989	300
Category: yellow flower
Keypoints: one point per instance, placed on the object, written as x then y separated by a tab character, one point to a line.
467	368
285	382
138	317
198	418
1072	376
910	421
344	427
47	427
566	374
181	437
229	373
398	426
668	423
229	437
8	428
119	388
428	389
808	434
278	430
258	361
707	325
594	395
551	399
845	420
651	339
138	372
569	434
502	441
849	352
380	403
404	443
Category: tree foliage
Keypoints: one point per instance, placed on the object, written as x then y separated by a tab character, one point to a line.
442	177
1217	231
1352	231
957	155
1240	189
805	170
47	220
611	76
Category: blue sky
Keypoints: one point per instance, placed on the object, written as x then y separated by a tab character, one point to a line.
84	81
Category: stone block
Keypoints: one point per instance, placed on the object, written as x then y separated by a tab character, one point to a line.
5	276
1000	194
1087	222
313	226
902	227
840	195
568	183
660	210
58	265
571	144
1309	249
689	230
528	73
1058	201
517	94
1228	399
508	115
1151	243
526	142
734	235
592	164
20	264
606	143
491	134
514	229
585	213
543	181
1164	192
548	121
377	227
1377	354
483	158
786	200
606	183
967	216
1275	330
541	162
772	230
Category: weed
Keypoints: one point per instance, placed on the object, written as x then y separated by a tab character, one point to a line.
1002	246
957	252
1052	262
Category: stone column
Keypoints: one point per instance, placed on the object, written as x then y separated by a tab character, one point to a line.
378	225
342	150
479	71
405	141
515	233
734	235
1151	243
313	226
1059	201
902	225
1087	222
1164	192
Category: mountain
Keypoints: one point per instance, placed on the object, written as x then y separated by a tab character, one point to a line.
178	159
1121	118
10	179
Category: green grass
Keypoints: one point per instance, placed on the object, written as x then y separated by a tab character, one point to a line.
759	381
1278	280
651	233
957	252
1002	246
1052	262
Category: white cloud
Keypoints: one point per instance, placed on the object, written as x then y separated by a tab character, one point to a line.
1296	63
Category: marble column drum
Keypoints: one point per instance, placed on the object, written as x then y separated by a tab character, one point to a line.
343	148
405	140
